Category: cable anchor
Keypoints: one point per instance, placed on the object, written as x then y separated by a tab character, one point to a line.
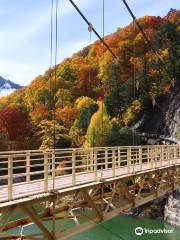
90	27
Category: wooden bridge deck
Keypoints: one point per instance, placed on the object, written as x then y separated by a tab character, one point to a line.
64	182
37	187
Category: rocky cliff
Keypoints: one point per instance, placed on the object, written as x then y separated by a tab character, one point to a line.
162	122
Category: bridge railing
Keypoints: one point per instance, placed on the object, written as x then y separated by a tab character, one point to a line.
80	165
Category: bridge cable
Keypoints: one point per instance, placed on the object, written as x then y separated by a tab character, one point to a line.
54	90
103	29
134	93
51	40
106	45
93	29
158	57
54	115
117	62
103	107
51	60
89	77
52	81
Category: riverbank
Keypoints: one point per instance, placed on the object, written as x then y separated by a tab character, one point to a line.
153	210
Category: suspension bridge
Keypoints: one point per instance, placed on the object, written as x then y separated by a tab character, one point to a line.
84	186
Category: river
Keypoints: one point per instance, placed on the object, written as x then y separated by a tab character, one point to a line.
121	227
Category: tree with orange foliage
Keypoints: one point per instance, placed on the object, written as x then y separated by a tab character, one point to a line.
67	114
39	113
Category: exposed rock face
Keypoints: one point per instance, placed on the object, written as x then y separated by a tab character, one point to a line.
172	209
153	210
172	127
163	121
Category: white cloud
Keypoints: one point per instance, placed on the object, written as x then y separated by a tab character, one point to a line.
20	73
16	37
24	72
34	23
22	56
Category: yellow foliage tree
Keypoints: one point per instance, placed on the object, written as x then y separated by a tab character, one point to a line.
132	112
99	128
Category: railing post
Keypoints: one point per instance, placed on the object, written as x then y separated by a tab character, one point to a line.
113	163
53	164
10	177
140	158
46	171
28	163
129	159
88	162
53	169
87	168
151	153
162	156
119	156
176	155
106	158
172	155
169	155
156	157
73	168
95	165
91	160
148	155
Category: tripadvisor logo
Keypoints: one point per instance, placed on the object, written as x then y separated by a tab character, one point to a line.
139	231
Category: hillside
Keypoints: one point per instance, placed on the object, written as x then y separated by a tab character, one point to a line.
96	100
7	86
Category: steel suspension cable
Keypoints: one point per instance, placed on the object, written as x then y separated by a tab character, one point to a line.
146	38
54	91
54	116
93	29
53	87
134	94
56	42
157	57
103	26
102	115
103	19
51	73
51	40
108	48
89	78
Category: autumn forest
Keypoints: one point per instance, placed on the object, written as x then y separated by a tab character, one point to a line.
92	99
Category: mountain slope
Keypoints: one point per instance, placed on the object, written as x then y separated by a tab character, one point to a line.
7	86
132	88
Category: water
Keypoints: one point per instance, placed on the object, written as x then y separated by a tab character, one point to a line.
123	227
118	228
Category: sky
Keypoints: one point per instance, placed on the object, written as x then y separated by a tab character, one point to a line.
25	30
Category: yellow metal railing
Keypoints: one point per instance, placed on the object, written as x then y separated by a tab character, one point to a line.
91	164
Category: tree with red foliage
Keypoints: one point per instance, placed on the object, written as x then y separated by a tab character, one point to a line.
13	121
